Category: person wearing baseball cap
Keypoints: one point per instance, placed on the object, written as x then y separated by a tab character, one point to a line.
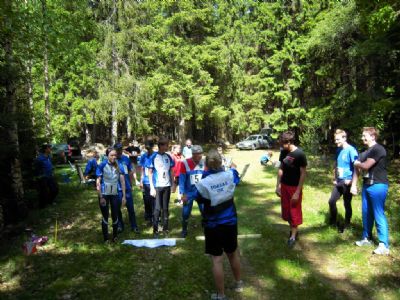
191	172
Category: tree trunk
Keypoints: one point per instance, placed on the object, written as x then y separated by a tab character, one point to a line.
17	187
30	91
46	83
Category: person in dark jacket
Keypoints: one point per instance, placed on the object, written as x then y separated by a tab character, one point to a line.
46	183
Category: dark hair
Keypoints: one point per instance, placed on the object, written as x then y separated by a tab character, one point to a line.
115	164
163	141
287	138
149	144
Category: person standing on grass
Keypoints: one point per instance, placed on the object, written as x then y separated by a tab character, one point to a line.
128	171
289	185
133	151
226	161
191	172
110	180
187	150
161	181
216	191
177	158
148	199
46	183
344	179
91	166
374	192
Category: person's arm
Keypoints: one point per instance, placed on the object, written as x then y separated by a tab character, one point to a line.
98	188
122	180
365	166
354	181
152	188
278	182
299	188
141	176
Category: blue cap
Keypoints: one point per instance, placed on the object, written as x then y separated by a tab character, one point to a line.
117	146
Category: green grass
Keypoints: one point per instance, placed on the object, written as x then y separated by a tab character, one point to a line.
323	265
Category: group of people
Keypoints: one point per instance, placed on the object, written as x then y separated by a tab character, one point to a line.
211	182
349	166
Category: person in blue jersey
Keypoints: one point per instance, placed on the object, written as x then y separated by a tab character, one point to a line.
216	191
91	166
161	181
126	165
344	179
191	172
266	158
110	179
372	163
148	199
46	183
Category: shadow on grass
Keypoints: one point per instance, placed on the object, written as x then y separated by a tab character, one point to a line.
79	266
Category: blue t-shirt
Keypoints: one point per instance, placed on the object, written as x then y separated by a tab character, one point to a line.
43	166
91	167
345	158
126	166
110	183
161	165
222	183
145	161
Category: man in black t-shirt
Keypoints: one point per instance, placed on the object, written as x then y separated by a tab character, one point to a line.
289	185
375	188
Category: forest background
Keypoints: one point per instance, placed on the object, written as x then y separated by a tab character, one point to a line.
102	71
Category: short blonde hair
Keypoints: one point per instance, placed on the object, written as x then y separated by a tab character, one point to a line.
213	160
341	132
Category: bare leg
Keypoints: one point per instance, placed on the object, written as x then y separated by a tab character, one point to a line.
234	261
218	272
293	230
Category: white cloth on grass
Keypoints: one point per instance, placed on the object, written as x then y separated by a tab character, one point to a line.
150	243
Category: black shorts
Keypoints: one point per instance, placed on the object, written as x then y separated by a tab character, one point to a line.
222	238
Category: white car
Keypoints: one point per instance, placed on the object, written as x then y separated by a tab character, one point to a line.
254	141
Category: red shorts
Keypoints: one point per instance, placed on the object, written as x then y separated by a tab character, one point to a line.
291	212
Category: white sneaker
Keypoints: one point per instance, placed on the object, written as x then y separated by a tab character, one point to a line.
239	286
364	242
382	250
217	296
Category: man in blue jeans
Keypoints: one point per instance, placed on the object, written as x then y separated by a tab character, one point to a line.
191	172
372	163
125	163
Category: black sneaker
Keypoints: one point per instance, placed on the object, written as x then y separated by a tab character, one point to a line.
183	233
136	230
155	235
120	229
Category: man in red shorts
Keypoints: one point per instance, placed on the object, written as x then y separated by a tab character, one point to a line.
289	185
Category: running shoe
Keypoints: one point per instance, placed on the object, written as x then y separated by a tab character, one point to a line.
239	286
136	230
291	242
217	296
184	233
364	242
382	250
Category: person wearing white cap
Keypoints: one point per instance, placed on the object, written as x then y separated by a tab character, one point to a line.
191	172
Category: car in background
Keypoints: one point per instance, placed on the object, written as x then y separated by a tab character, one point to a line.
255	141
62	153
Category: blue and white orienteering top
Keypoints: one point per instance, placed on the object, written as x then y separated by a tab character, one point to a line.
145	162
189	175
110	184
125	163
216	190
161	165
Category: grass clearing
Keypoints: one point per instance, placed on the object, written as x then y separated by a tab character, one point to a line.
323	265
